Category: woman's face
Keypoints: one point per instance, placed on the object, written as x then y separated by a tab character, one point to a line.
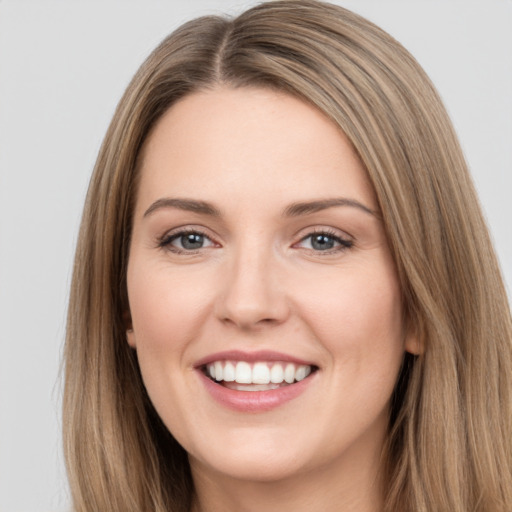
264	301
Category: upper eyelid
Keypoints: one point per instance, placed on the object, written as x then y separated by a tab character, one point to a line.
344	240
174	236
329	230
169	236
299	236
187	229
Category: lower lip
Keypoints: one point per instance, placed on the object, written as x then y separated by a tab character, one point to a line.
255	401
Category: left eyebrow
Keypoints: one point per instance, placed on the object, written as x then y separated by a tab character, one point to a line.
304	208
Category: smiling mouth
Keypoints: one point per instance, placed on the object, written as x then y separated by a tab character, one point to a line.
257	376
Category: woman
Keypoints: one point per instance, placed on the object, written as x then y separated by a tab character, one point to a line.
284	293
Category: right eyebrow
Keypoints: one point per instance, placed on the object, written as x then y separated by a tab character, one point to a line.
190	205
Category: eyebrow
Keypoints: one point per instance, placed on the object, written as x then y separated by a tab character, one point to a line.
293	210
305	208
190	205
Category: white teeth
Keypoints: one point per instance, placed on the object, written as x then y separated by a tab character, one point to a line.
229	372
243	373
276	374
259	373
218	371
302	372
289	373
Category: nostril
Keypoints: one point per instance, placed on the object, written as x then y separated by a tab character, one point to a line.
249	298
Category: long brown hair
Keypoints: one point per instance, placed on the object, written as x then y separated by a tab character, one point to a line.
450	434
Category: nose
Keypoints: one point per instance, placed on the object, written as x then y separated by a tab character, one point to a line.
252	294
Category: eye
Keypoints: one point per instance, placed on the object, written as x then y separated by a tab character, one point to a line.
186	241
325	241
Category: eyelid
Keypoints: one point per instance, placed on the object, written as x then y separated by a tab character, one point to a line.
323	229
344	240
164	241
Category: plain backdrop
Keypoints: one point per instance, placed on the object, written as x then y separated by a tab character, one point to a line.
63	67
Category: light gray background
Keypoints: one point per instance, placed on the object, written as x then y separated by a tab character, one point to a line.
63	67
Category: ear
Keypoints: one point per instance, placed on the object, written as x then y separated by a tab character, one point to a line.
130	335
414	343
130	338
414	346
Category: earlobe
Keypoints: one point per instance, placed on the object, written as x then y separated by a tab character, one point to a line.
130	338
414	346
130	335
414	343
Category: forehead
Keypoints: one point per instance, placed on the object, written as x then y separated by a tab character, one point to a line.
249	143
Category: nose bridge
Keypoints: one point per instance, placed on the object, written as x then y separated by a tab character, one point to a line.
252	294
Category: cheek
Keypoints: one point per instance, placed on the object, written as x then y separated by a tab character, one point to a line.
357	316
355	301
167	308
168	314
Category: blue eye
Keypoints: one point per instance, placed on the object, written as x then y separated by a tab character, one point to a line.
322	242
185	241
325	241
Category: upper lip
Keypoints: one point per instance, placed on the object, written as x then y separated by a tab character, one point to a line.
250	357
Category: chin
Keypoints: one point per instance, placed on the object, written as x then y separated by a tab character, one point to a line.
255	467
257	454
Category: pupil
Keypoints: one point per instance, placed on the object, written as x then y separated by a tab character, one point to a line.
192	241
322	242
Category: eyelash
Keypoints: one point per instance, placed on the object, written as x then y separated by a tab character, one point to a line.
165	242
344	243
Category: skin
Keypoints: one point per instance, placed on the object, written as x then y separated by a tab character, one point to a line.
258	283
